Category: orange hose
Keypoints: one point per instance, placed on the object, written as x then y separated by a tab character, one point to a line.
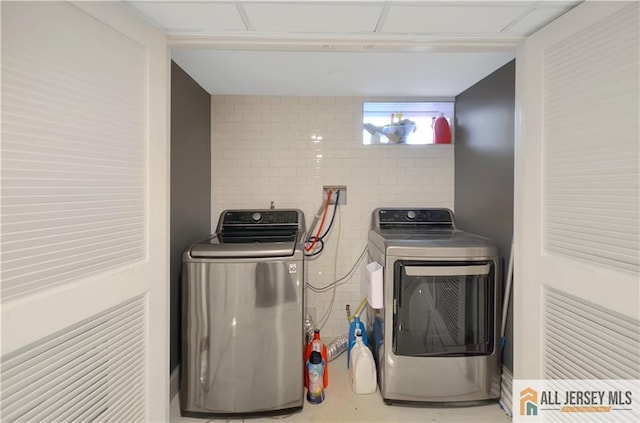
324	214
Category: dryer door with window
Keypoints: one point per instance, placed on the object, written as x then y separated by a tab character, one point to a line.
443	308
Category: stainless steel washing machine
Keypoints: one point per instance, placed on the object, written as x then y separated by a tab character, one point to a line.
243	325
437	338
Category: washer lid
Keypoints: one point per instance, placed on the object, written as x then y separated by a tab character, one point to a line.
216	247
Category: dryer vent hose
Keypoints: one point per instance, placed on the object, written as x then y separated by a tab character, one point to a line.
335	348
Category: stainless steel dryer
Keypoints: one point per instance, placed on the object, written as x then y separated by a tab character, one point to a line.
437	338
242	305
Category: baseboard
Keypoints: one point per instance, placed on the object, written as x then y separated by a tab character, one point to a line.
174	382
506	386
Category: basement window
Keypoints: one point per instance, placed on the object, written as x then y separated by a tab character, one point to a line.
405	122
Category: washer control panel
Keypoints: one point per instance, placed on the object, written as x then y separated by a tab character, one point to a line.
260	225
261	217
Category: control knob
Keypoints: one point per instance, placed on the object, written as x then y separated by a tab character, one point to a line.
256	217
411	215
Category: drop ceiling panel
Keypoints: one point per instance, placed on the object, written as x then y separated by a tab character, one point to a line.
451	20
535	20
313	18
191	17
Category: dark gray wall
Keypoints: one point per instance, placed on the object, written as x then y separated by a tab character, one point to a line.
190	181
484	138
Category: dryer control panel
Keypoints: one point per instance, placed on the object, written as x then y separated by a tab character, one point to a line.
414	218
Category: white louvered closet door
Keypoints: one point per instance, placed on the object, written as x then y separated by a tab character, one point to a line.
577	280
84	253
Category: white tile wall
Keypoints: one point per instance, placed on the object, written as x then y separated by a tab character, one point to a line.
262	151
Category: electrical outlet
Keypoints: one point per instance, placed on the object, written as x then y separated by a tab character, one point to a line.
334	194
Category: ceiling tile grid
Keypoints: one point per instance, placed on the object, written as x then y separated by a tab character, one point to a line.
370	17
398	48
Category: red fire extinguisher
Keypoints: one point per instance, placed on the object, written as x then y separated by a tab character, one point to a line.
441	130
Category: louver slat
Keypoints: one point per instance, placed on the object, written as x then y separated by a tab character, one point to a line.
586	341
93	370
73	168
591	152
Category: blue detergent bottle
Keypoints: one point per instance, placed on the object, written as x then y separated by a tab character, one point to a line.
356	326
315	372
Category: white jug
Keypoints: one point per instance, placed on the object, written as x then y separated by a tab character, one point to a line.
362	368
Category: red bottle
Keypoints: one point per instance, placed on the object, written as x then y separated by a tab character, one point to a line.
441	130
316	344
